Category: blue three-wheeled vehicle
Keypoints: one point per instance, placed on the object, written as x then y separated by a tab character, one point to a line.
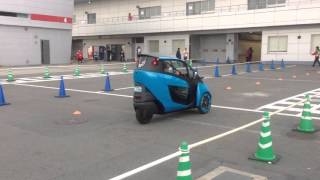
166	84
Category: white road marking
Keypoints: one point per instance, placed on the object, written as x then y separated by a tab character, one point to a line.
76	90
194	145
63	66
315	108
66	76
124	88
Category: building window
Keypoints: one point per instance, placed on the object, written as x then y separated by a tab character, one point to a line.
154	46
91	18
178	43
261	4
149	12
199	7
315	41
278	44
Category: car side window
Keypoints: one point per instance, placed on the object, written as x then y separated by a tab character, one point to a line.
175	67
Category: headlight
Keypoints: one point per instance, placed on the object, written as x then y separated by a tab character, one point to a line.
138	89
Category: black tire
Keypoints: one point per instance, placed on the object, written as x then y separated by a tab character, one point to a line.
205	104
143	116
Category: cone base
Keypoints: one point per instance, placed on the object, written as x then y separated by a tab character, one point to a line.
274	161
66	96
107	90
11	80
4	104
47	77
306	131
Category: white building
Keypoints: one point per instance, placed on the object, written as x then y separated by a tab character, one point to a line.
35	32
209	29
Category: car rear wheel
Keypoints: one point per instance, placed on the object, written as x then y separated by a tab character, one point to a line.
143	116
205	103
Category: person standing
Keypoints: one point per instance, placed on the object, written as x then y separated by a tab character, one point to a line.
122	56
185	54
178	54
108	53
249	54
316	54
79	56
139	51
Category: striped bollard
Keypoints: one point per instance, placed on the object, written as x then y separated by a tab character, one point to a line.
184	165
306	123
264	150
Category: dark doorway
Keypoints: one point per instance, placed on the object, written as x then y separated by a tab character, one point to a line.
115	52
45	52
247	40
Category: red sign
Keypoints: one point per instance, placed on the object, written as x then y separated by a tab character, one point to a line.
48	18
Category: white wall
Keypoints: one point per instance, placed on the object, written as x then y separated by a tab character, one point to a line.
213	47
63	8
165	43
112	16
22	46
298	49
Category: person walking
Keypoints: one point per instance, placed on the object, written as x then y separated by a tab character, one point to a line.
249	54
316	54
185	54
178	54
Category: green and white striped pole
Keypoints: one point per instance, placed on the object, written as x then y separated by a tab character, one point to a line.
46	73
306	123
77	71
124	68
184	165
264	150
102	70
10	76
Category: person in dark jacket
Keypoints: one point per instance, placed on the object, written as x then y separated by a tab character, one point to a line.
316	54
122	56
249	54
178	54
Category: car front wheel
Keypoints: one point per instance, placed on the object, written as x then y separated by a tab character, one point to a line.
143	116
205	103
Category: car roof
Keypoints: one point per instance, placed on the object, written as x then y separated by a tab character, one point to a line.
162	58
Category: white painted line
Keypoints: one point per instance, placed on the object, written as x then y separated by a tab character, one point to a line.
75	90
123	88
64	66
194	145
286	99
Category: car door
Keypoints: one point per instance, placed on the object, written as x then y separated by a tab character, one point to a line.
178	82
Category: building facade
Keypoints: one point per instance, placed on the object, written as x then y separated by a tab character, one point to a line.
209	29
35	32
